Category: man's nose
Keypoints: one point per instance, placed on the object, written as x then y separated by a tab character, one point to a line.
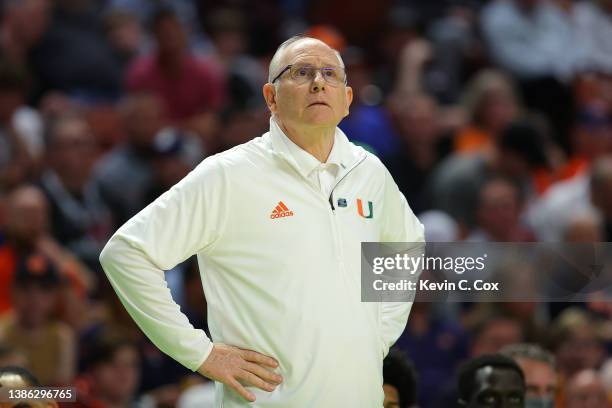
318	82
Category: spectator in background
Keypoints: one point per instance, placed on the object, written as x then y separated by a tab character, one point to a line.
536	41
49	345
191	89
14	153
23	24
491	380
585	390
498	214
576	344
491	104
399	381
601	193
74	55
370	123
26	232
112	374
531	38
540	372
493	333
79	218
125	176
422	147
125	36
589	192
594	27
12	377
519	154
436	344
245	75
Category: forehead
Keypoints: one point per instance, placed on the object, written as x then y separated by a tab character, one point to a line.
501	379
310	51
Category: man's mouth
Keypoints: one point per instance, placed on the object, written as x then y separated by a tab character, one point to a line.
318	103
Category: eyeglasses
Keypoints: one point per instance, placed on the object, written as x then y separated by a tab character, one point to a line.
306	73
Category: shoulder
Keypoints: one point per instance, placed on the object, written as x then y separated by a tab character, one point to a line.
240	160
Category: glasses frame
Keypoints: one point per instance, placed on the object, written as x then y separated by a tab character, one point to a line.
288	67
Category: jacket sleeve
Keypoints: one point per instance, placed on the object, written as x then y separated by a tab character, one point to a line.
399	225
185	220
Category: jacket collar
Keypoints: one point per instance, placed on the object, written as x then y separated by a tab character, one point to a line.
343	153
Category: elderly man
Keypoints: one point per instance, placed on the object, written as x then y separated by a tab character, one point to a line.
277	224
540	370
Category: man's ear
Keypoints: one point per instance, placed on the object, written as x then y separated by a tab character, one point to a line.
349	99
269	93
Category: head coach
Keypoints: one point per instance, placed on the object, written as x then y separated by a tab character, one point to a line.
276	224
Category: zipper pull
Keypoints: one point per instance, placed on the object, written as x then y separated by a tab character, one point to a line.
331	202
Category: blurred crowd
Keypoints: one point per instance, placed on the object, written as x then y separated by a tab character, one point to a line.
494	117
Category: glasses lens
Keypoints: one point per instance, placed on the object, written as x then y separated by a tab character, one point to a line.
304	73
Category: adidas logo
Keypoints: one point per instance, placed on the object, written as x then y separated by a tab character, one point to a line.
281	211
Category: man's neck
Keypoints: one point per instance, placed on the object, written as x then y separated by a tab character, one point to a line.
316	141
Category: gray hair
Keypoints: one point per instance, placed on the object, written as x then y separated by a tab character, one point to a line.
530	351
275	62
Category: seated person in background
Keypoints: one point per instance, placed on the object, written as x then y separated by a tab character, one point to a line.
112	373
491	104
18	377
585	390
26	221
400	380
48	345
540	371
491	380
78	217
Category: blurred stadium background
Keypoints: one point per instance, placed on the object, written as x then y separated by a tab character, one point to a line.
494	117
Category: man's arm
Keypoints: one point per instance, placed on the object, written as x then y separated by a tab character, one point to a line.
183	221
186	220
400	225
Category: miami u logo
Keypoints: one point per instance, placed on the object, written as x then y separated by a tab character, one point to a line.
360	209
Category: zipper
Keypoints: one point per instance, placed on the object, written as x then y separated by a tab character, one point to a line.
331	193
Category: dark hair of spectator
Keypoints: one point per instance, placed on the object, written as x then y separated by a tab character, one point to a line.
399	372
466	374
524	139
104	349
27	376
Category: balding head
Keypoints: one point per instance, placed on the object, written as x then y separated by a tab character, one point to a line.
279	60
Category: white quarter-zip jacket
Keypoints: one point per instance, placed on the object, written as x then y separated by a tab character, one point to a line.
280	266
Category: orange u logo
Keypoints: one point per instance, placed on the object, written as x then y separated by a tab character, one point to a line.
360	209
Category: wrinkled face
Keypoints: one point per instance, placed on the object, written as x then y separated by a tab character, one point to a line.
315	103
